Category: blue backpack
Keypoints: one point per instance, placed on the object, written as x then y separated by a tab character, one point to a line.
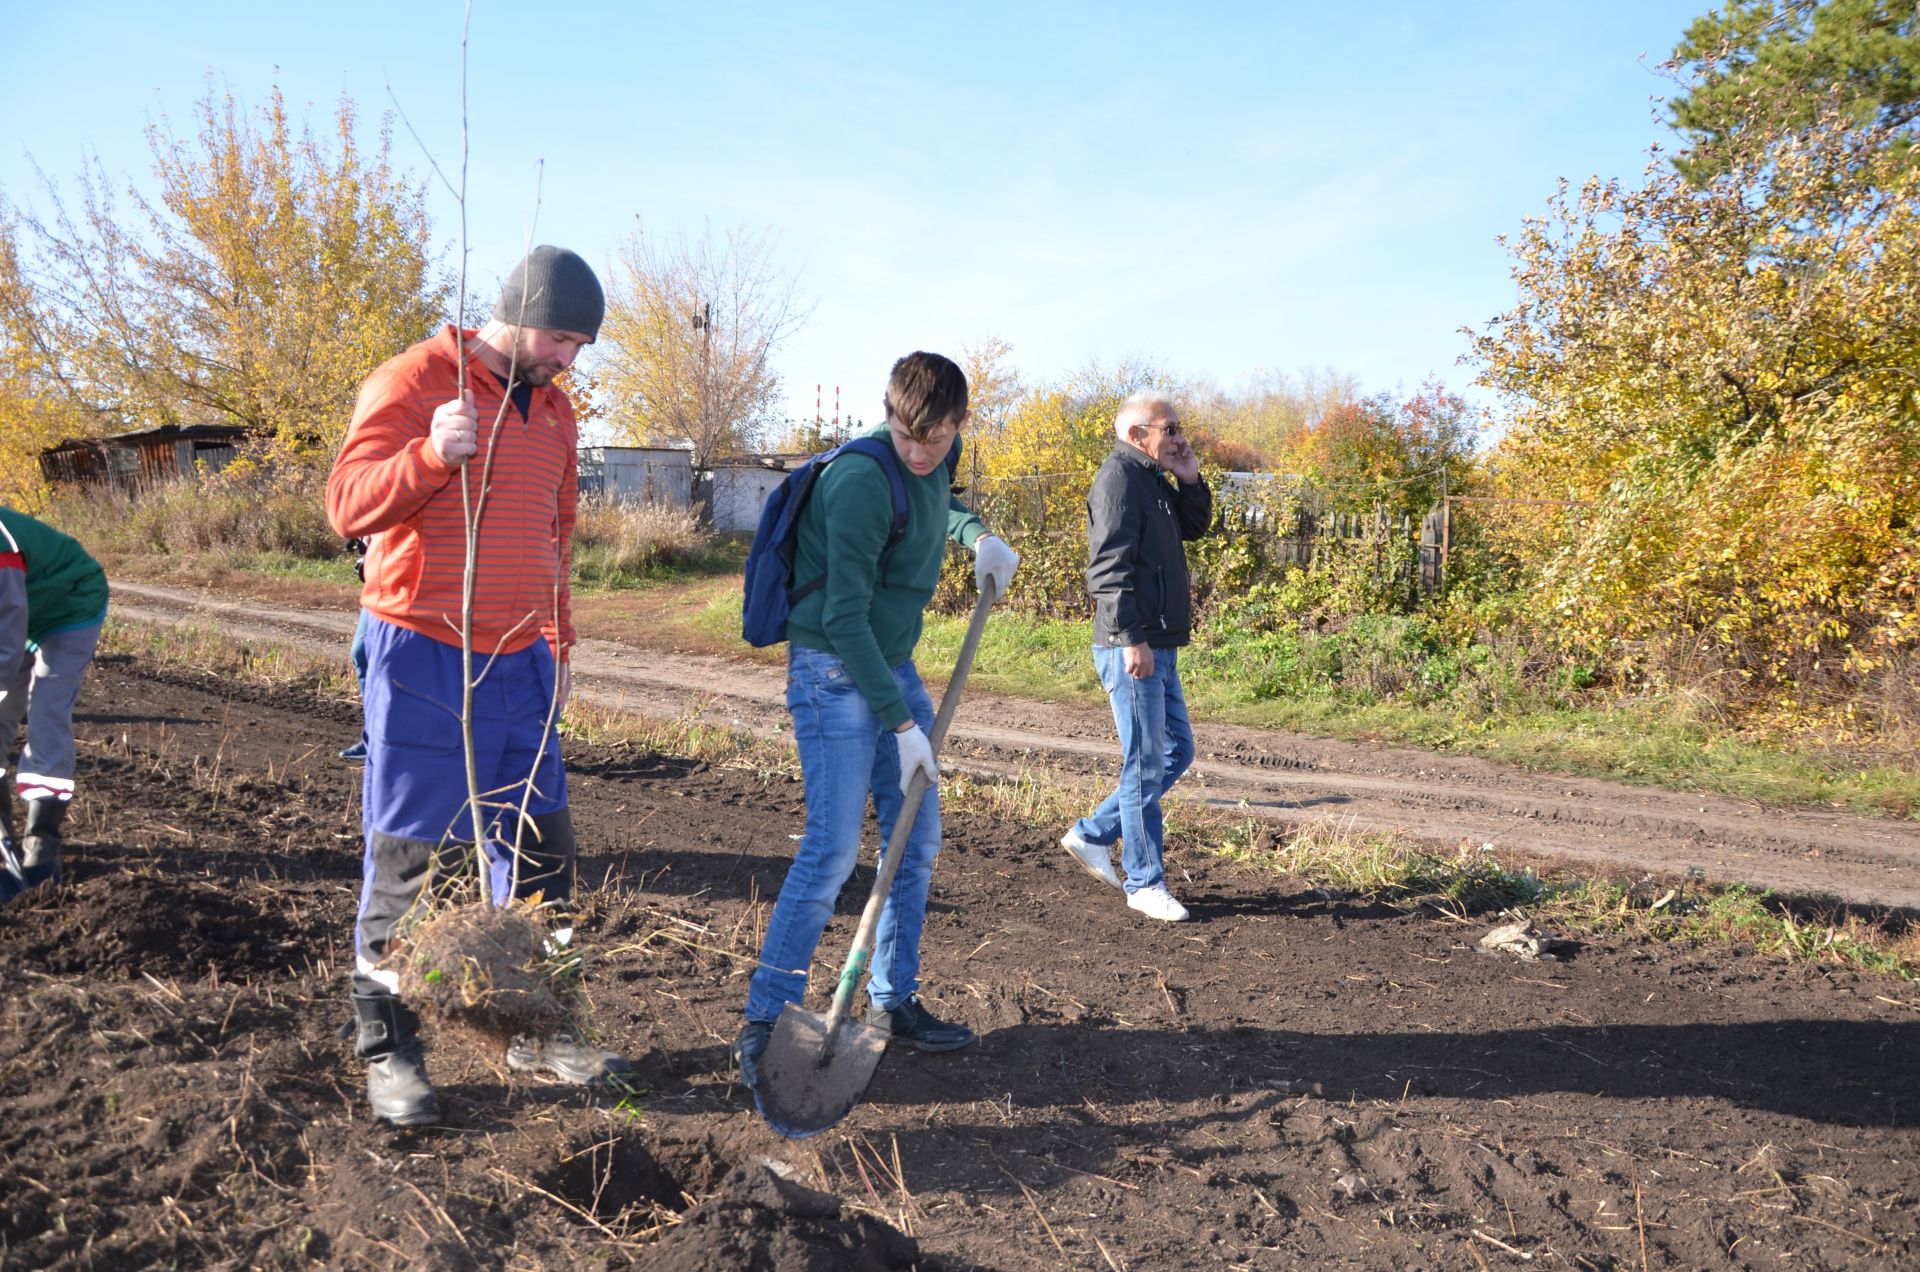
770	589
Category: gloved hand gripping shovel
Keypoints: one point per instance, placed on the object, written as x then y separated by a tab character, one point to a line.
817	1067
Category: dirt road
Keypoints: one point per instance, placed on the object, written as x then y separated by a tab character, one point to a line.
1288	777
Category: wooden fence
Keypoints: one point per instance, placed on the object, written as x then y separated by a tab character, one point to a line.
1291	530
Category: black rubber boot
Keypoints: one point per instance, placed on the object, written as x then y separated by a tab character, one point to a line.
396	1071
39	852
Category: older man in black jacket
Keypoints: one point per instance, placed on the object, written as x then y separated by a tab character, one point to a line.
1137	524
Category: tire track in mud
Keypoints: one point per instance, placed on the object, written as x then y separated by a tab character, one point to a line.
1285	777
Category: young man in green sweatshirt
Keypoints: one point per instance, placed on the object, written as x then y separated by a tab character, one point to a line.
860	712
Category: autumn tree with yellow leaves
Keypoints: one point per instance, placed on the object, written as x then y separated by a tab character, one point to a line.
270	269
685	353
1727	367
31	418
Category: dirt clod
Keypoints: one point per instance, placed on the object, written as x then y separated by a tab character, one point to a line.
757	1219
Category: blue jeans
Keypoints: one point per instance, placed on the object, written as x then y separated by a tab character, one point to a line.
1156	747
357	652
846	754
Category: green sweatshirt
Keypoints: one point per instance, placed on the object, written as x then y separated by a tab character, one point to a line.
65	587
868	613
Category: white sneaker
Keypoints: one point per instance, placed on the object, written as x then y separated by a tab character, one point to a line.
1095	859
1157	903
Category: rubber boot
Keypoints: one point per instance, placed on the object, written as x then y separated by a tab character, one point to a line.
546	862
40	845
396	1071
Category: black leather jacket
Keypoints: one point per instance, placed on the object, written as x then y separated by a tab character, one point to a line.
1137	522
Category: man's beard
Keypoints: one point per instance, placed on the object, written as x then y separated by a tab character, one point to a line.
527	371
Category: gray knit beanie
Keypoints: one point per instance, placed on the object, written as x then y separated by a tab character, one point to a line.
554	289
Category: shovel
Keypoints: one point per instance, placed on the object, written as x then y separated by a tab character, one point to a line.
816	1067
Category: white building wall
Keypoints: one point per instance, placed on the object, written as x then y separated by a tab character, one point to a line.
739	494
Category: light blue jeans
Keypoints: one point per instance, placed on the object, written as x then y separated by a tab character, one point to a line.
845	756
357	651
1156	747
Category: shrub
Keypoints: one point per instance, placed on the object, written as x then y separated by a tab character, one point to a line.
619	542
247	508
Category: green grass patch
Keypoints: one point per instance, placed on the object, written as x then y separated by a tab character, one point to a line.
280	565
1018	655
1648	741
1368	688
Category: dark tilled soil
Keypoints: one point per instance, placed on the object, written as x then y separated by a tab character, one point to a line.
1293	1079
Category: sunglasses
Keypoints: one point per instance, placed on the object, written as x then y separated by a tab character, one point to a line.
1171	430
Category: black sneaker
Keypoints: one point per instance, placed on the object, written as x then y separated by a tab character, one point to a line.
356	754
910	1022
749	1047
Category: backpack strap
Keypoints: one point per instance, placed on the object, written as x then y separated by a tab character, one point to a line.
882	454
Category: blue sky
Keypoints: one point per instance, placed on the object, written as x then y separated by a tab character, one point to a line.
1217	188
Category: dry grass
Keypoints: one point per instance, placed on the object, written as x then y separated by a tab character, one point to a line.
616	543
247	510
1468	883
209	651
684	735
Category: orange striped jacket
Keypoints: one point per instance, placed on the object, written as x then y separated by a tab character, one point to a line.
389	482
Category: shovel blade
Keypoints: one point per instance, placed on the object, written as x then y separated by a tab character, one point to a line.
809	1079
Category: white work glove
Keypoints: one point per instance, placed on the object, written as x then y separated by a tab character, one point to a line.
916	756
994	560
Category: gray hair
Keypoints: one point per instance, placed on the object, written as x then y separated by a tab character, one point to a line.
1144	407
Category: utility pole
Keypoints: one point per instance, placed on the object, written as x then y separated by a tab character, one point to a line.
703	323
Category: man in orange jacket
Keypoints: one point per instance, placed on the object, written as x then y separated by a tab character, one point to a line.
413	440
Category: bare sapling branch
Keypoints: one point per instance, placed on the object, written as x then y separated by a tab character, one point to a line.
474	510
467	511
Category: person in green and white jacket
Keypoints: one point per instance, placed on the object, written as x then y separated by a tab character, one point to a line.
53	601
